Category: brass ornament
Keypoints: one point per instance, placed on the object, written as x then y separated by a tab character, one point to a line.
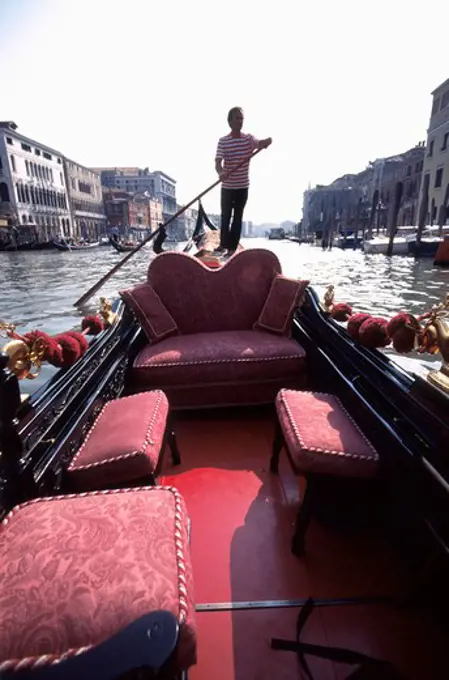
433	338
109	317
329	298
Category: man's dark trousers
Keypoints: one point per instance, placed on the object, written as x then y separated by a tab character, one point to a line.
233	202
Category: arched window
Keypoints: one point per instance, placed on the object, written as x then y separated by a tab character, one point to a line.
13	163
33	200
27	166
24	219
27	195
30	218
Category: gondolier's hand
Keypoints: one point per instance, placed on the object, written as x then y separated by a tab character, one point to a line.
222	175
264	143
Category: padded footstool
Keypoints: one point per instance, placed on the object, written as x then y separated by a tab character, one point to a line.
124	445
322	440
76	569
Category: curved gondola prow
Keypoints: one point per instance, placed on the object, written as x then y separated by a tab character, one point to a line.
203	225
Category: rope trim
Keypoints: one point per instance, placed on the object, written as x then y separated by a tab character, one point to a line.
202	362
283	398
147	439
33	662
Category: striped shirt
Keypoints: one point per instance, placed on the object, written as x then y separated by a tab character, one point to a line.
233	150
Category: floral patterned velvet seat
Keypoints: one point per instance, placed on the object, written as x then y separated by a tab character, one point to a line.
217	337
76	569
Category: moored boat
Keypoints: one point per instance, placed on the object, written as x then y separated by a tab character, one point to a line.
375	553
379	245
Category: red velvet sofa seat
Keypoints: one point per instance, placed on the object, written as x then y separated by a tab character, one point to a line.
217	337
75	570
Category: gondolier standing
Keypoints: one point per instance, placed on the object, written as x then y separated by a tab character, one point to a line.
231	150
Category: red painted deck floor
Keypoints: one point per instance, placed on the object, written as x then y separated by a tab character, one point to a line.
242	523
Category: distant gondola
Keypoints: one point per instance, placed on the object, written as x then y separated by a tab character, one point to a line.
122	247
63	245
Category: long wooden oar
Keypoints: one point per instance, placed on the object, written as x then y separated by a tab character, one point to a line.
84	298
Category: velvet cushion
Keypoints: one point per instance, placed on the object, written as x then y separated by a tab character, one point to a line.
123	444
74	570
284	297
321	436
156	321
203	300
229	357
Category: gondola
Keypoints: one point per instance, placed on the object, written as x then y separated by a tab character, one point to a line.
65	245
122	247
376	555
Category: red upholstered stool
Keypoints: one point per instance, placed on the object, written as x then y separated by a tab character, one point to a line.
322	441
125	444
76	569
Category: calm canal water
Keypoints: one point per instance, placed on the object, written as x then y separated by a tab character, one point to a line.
38	289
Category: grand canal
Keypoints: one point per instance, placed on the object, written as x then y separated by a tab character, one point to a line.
38	289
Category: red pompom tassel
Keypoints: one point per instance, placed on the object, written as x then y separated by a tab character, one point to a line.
402	329
92	324
51	346
354	323
81	339
70	351
373	333
341	311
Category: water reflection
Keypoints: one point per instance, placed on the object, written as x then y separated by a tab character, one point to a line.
38	289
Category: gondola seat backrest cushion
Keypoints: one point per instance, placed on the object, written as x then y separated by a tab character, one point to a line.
284	297
202	300
156	321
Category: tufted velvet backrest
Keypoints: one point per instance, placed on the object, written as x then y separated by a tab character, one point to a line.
206	300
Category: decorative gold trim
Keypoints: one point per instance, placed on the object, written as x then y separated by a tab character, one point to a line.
109	317
329	298
432	336
440	378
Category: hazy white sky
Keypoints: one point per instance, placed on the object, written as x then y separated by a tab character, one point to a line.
144	83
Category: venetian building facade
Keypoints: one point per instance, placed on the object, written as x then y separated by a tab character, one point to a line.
33	193
86	201
434	198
